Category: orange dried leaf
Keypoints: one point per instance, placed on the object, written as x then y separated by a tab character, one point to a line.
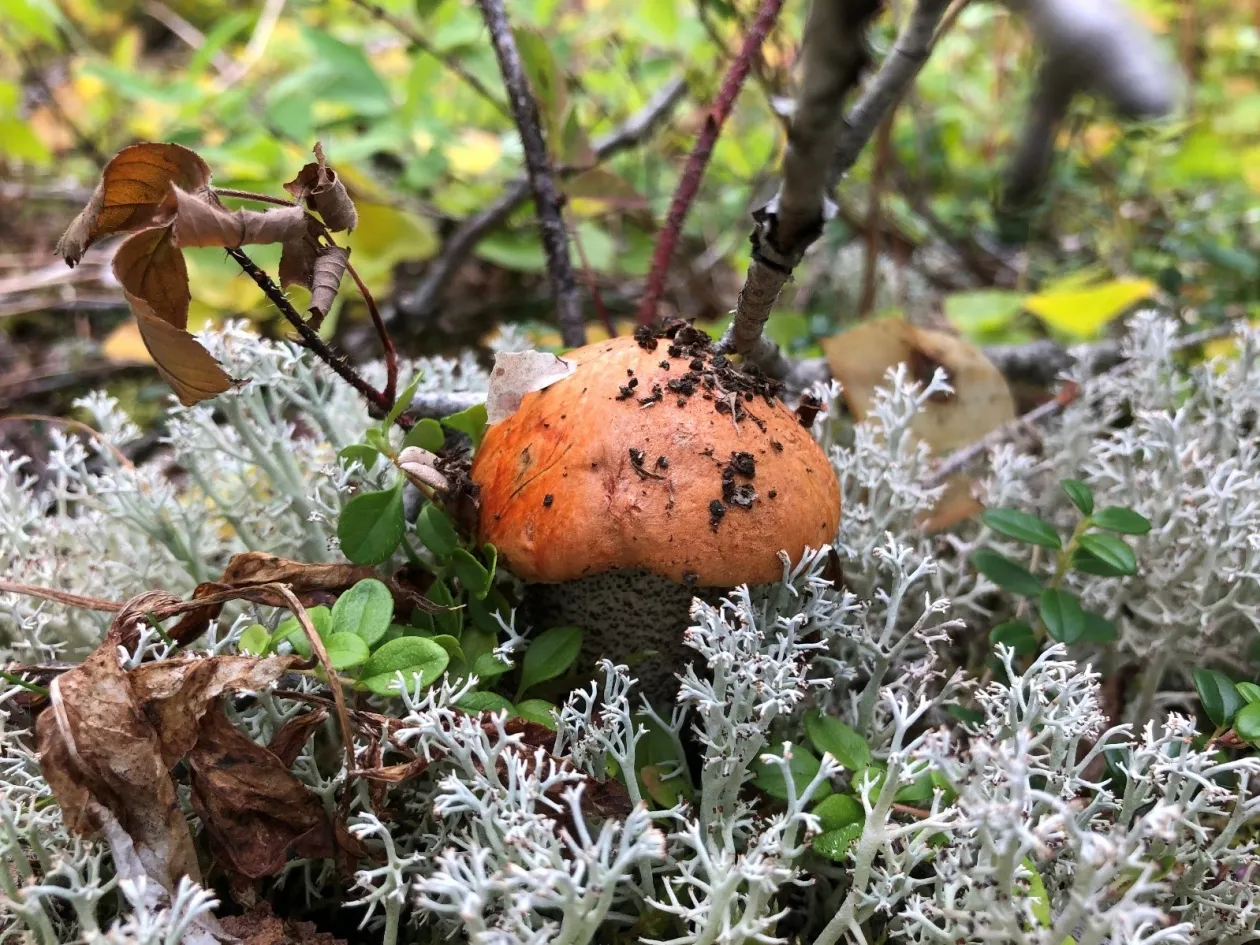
187	367
134	193
323	191
150	267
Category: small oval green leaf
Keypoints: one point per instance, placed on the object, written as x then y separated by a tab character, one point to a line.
839	810
830	735
471	573
1249	691
549	654
1122	520
538	710
835	844
361	453
346	650
253	640
1022	527
408	655
1062	614
1080	495
1112	551
485	702
471	422
1005	573
1017	635
371	526
426	434
366	609
804	765
1220	697
436	531
1247	724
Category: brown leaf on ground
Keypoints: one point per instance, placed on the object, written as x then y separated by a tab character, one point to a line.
201	222
292	737
187	367
330	265
256	814
323	191
395	774
150	267
134	192
260	926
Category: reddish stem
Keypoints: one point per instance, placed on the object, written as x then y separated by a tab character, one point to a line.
387	343
698	160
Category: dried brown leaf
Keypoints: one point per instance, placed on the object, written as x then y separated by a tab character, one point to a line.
395	774
330	265
292	737
517	373
134	193
187	367
149	266
323	191
256	814
201	222
260	926
297	258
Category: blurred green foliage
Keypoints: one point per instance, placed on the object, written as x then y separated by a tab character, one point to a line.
1168	210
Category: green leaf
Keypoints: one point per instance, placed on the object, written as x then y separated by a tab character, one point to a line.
804	764
254	640
371	526
1080	494
1005	573
1037	888
538	710
1089	563
448	643
436	530
408	655
830	735
367	609
482	612
965	714
377	440
488	666
360	452
447	621
1112	551
1220	697
402	402
290	629
471	422
1098	629
1017	635
1249	691
918	791
1022	527
839	810
472	573
1125	521
549	654
984	313
346	75
1247	723
876	774
485	702
490	559
426	434
835	844
1062	614
346	650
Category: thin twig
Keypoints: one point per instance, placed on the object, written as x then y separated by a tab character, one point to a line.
387	343
250	195
883	148
698	160
592	283
61	597
423	300
76	425
256	46
182	29
542	180
418	41
958	460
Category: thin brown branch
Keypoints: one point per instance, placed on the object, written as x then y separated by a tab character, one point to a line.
879	169
387	343
542	180
418	41
61	597
250	195
424	299
698	160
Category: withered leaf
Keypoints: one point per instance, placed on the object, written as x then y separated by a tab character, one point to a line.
326	279
201	222
297	257
174	694
149	266
256	813
601	184
323	191
134	192
187	367
292	737
517	373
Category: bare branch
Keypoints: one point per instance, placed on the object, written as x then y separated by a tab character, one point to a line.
547	198
425	297
698	160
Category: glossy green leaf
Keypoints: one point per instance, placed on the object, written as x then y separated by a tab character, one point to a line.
471	422
449	621
346	650
830	735
1249	691
1125	521
361	453
1220	697
1247	724
426	434
804	765
1022	527
450	644
1080	495
488	666
1062	614
836	844
539	711
409	655
1040	899
254	640
402	402
485	702
472	573
1089	563
1112	551
436	531
839	810
1017	635
549	655
1005	573
367	609
290	629
1098	629
371	526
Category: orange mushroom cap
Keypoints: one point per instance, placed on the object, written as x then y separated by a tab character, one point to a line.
655	454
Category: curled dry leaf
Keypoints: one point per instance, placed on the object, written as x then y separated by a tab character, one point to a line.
187	367
981	400
292	737
150	267
204	222
104	746
329	267
319	186
134	192
255	812
517	373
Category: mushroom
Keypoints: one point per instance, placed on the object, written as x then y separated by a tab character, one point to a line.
656	472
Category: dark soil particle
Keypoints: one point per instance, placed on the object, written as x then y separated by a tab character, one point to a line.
773	493
716	511
675	351
547	500
807	410
665	365
744	464
662	462
656	396
742	496
646	338
776	446
636	456
690	578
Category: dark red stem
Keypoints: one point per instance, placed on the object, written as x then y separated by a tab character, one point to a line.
387	343
698	160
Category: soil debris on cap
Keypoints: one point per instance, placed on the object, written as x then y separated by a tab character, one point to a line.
744	464
645	337
662	462
807	410
655	397
716	511
547	500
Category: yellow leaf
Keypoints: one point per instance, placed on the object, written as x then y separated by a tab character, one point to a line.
1083	313
474	153
125	346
